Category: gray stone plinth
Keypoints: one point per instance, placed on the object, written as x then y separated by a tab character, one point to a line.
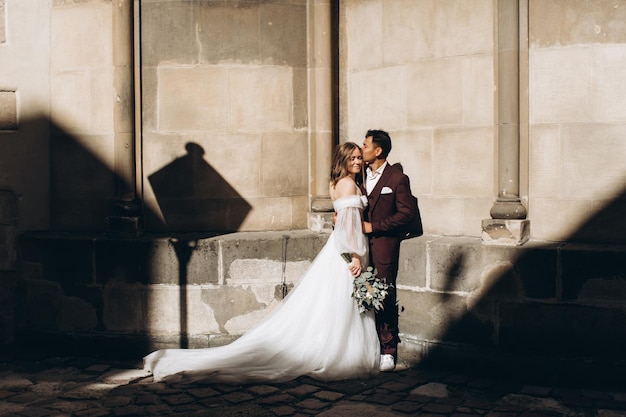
505	232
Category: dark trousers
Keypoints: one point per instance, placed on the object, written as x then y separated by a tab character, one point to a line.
387	319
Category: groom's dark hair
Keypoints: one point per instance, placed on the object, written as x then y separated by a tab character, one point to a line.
381	139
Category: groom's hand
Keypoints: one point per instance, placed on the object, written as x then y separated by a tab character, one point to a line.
367	227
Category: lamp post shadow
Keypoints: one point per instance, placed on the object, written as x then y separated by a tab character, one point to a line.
194	198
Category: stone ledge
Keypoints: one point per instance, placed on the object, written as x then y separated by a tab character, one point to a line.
453	291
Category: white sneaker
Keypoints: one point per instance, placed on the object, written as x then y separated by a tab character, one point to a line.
387	363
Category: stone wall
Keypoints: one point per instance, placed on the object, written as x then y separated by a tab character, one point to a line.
546	308
577	119
424	71
9	214
225	115
429	72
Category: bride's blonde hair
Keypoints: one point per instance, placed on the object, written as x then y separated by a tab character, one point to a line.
341	157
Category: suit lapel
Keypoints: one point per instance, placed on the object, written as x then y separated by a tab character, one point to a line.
375	194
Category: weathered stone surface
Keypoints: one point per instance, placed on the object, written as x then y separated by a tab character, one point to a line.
455	265
431	316
563	329
593	277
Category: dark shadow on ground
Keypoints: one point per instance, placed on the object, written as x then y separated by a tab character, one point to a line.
556	314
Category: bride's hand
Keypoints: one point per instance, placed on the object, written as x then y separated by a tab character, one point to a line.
355	266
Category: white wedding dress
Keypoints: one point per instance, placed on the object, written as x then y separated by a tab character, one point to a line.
316	331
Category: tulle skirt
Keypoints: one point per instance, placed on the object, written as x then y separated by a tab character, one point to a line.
316	331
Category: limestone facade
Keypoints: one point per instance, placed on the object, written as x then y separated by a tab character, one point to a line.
252	88
221	116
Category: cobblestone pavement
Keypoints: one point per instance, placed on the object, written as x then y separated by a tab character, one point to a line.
36	385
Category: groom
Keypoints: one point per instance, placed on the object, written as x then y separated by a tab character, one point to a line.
390	206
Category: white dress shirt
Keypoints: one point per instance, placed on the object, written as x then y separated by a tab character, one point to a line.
373	177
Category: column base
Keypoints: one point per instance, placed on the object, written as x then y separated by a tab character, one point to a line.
124	227
321	214
126	220
505	232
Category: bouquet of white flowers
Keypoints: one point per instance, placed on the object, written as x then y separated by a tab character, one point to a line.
369	291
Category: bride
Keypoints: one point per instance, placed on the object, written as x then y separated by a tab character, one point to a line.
317	330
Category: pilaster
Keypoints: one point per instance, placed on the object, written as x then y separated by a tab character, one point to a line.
508	225
320	108
126	219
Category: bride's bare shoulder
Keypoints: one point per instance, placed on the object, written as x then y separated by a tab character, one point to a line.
345	187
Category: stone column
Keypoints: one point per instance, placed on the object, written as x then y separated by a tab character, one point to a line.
320	108
126	217
507	225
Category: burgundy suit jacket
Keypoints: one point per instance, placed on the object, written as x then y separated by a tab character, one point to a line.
390	206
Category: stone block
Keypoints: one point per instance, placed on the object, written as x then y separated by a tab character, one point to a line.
283	33
226	32
8	247
3	35
274	165
440	84
556	219
387	108
8	108
175	310
301	100
459	168
320	221
42	305
610	87
272	214
185	259
203	92
171	33
408	31
81	167
124	308
545	176
464	28
364	49
81	36
253	249
304	245
595	148
455	265
537	267
505	232
253	90
235	308
64	259
124	226
603	23
412	268
563	330
562	83
8	298
478	95
595	276
77	315
443	215
443	317
413	150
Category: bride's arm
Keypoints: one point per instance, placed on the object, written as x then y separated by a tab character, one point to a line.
348	227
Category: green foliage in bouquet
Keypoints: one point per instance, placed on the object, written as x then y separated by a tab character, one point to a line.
369	291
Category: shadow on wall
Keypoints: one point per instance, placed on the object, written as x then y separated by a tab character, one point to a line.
83	282
549	311
194	197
